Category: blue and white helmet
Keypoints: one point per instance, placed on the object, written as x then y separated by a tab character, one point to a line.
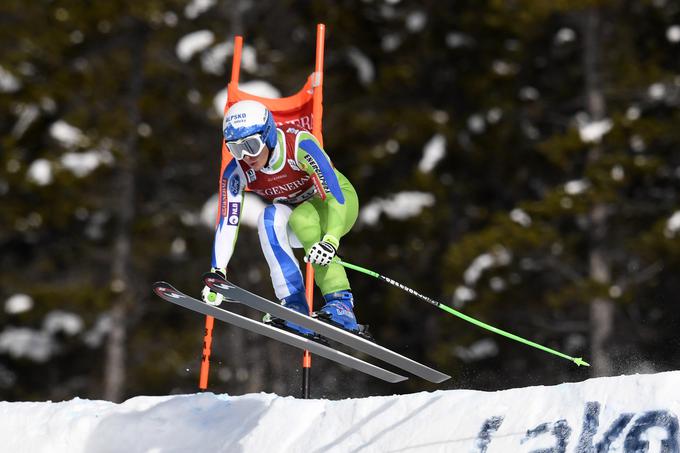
246	118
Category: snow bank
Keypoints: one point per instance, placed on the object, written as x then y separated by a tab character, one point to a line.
620	414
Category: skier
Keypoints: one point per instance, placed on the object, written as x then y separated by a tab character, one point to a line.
312	205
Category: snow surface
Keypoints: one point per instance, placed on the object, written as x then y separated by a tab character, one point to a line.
616	414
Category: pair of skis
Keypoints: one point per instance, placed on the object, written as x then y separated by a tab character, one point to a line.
235	294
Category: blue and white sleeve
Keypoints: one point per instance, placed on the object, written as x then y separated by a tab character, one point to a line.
232	186
316	162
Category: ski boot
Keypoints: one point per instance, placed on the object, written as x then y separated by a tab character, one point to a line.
338	312
298	303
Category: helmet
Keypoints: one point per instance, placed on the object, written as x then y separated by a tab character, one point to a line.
247	118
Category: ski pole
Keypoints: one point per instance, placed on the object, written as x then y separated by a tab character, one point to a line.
577	360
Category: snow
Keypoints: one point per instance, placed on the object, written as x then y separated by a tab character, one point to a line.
455	40
478	350
633	113
61	321
416	21
260	88
193	43
672	225
463	294
213	61
8	83
27	113
400	206
82	164
624	414
32	344
494	115
363	65
18	303
198	7
657	91
673	33
67	135
433	152
219	101
499	256
40	172
476	124
565	35
249	61
178	246
529	93
503	68
96	335
593	131
576	187
256	87
390	42
519	216
22	342
618	173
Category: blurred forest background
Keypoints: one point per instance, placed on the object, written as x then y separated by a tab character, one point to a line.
516	159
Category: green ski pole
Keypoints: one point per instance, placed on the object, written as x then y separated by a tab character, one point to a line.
577	360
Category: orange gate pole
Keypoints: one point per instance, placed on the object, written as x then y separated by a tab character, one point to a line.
209	320
317	112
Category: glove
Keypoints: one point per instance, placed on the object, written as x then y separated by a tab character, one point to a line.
211	297
323	252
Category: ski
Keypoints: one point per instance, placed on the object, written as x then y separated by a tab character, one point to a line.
169	293
234	293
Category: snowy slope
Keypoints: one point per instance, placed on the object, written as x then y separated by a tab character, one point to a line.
621	414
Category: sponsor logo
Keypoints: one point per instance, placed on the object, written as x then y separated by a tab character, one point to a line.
320	179
293	164
167	293
304	122
319	186
234	213
613	436
282	189
223	196
234	185
237	117
295	199
250	175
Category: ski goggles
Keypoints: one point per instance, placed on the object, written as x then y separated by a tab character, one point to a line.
248	146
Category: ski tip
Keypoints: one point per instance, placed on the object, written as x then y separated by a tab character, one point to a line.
213	276
157	286
580	362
